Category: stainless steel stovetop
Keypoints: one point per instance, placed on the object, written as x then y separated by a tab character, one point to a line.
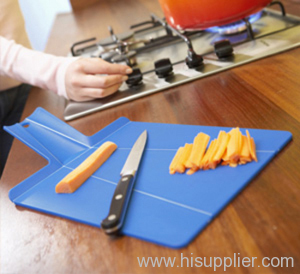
271	33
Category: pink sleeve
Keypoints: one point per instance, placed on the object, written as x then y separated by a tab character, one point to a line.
33	67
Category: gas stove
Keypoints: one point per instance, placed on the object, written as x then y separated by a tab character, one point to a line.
163	57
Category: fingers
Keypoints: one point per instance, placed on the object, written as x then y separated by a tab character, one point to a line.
94	93
99	66
96	81
83	84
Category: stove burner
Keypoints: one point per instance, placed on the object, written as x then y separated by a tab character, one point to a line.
235	27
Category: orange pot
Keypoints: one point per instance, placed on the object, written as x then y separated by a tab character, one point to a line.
203	14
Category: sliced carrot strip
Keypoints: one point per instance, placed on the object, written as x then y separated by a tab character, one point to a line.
230	145
245	152
252	146
225	155
180	165
188	150
191	171
229	162
199	147
253	150
225	163
205	161
80	174
223	140
174	162
233	147
210	163
240	140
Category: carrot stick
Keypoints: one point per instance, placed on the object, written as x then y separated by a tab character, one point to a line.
205	160
245	152
252	146
223	140
233	147
240	140
180	165
192	171
188	151
80	174
174	162
199	147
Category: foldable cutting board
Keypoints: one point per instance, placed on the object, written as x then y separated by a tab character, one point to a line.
166	209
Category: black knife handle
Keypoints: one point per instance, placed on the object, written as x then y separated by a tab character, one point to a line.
118	207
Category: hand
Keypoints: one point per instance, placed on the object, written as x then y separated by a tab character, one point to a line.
83	83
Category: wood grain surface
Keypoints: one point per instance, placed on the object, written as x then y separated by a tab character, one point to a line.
263	221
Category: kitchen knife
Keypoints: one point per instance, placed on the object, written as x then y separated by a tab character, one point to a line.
119	203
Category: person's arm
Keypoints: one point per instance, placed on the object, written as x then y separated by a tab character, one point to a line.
71	77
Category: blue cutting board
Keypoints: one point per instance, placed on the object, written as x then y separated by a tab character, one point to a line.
165	209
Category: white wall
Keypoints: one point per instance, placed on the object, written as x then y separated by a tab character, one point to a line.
39	16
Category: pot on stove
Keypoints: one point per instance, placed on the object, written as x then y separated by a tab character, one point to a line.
203	14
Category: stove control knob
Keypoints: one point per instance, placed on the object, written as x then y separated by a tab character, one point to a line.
135	78
163	68
194	60
223	49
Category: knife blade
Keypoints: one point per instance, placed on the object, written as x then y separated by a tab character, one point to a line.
113	223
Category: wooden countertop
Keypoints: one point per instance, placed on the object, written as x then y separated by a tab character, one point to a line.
263	221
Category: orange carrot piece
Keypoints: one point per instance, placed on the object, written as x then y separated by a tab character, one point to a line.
210	163
199	147
253	150
225	163
80	174
225	155
191	171
180	159
245	152
180	165
252	146
174	162
223	140
230	144
233	147
205	161
229	162
188	151
233	164
240	140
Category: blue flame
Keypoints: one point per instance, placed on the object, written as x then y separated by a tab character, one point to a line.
225	28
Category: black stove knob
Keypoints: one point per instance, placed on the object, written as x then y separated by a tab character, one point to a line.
163	68
193	60
223	49
135	78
